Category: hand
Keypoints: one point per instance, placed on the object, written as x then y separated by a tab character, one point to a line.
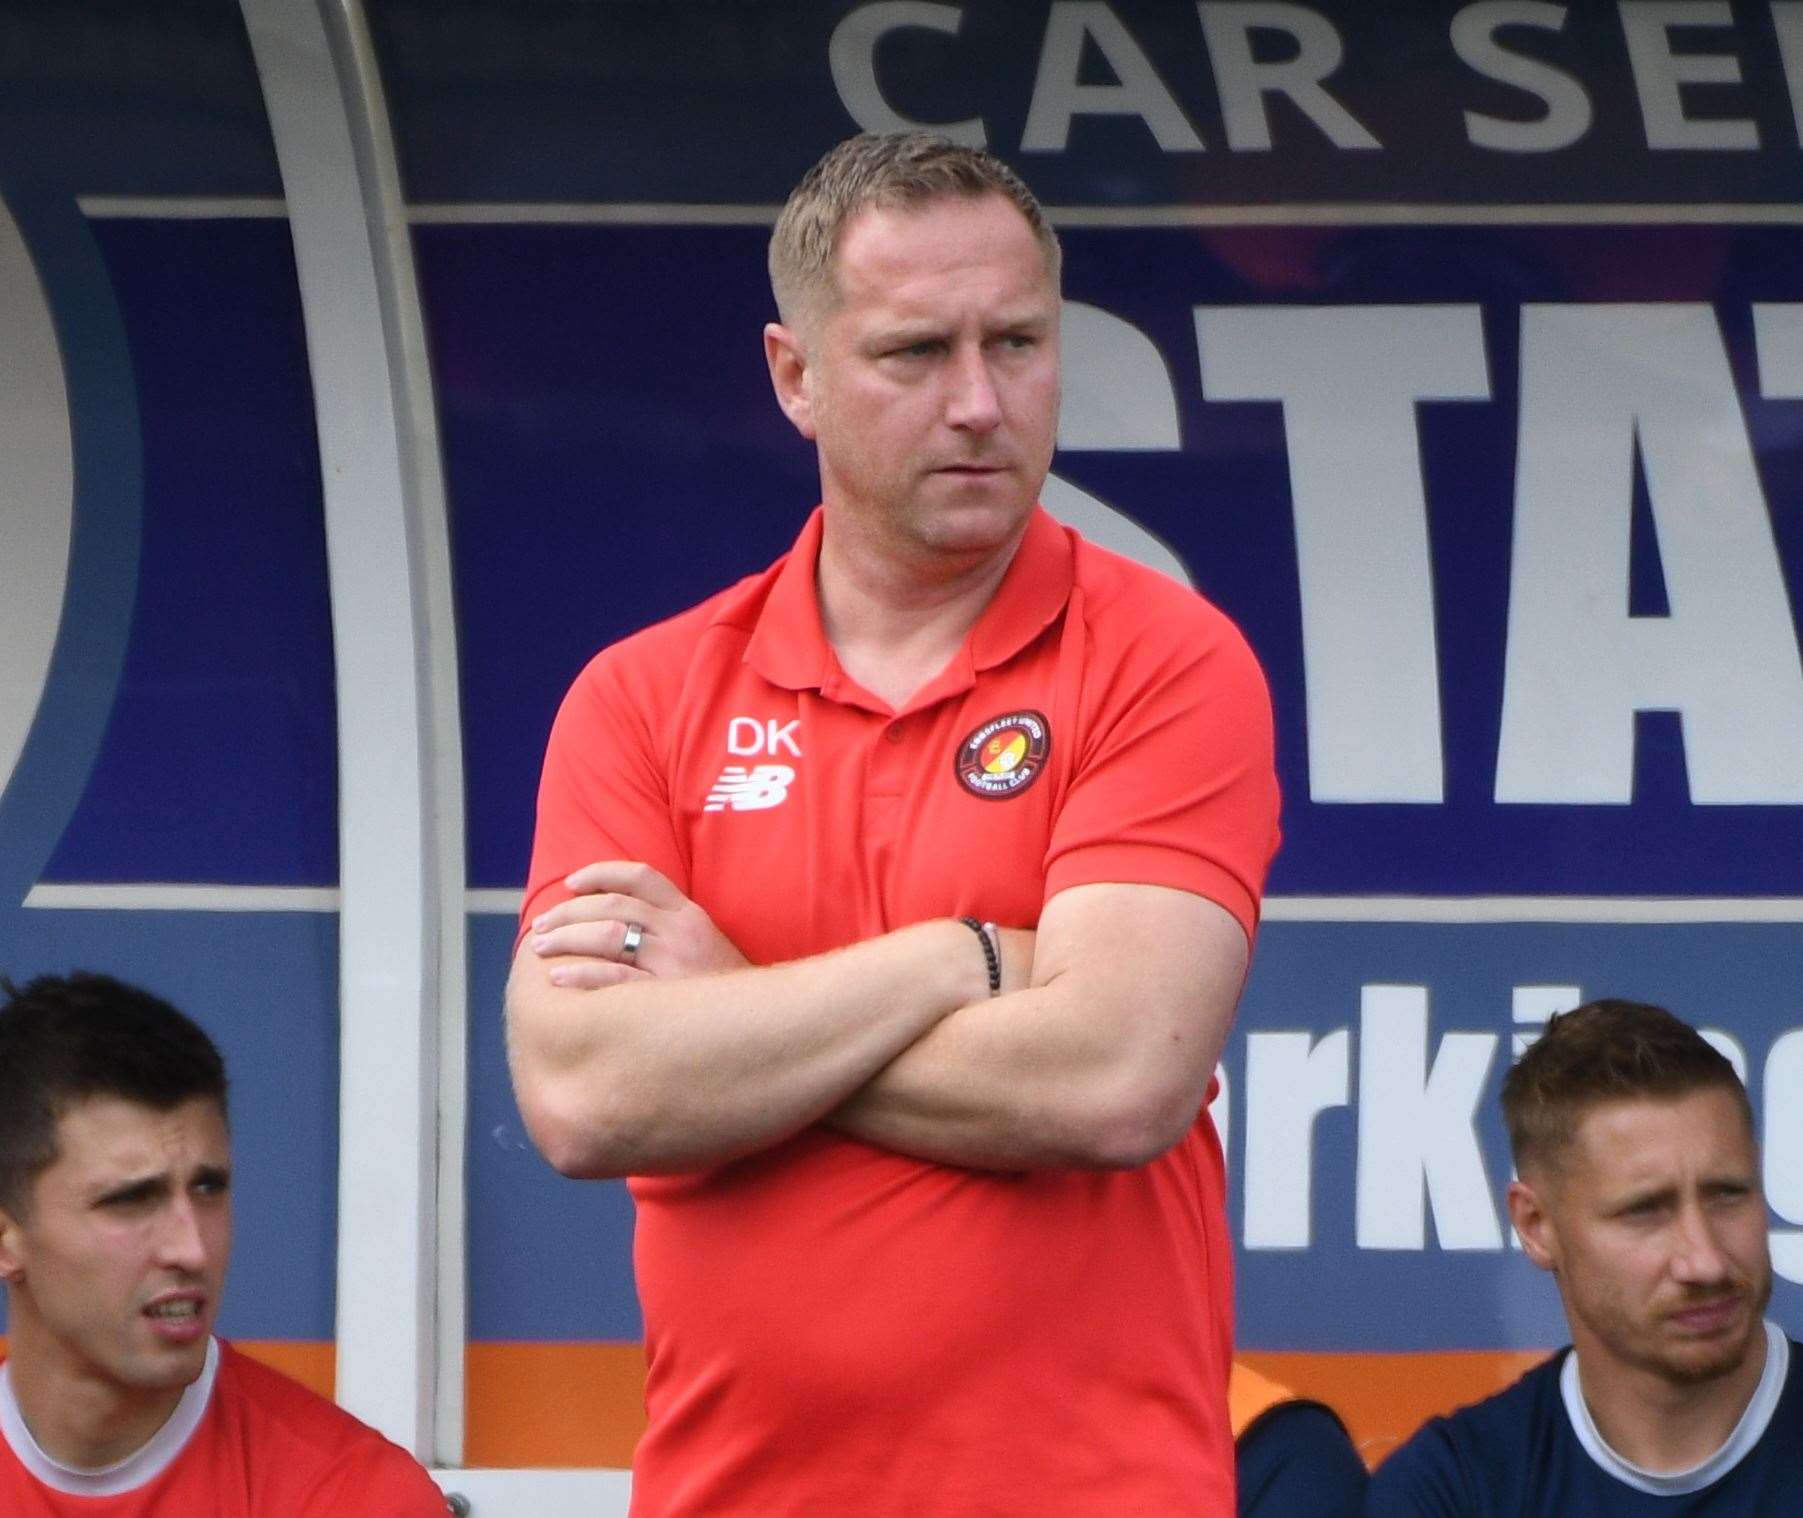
587	933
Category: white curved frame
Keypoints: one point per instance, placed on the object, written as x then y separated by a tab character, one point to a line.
403	984
402	990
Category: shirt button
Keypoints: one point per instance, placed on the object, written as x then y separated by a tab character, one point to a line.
893	732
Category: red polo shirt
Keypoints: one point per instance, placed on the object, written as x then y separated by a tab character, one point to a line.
833	1328
245	1442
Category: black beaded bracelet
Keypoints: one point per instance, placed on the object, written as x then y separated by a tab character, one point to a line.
992	955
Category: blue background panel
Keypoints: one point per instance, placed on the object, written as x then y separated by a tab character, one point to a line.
549	1258
219	762
115	97
613	454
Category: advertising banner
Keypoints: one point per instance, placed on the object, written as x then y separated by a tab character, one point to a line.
1455	351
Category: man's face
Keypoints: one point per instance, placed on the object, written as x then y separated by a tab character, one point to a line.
116	1268
931	385
1655	1224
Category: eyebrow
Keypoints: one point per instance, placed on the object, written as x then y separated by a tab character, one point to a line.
1653	1195
904	333
1659	1195
139	1189
1014	319
1024	321
144	1188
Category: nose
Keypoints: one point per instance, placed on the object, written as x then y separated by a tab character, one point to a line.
181	1244
972	404
1699	1259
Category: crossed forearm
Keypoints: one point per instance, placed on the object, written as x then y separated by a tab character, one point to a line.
669	1061
657	1075
1012	1083
1101	1063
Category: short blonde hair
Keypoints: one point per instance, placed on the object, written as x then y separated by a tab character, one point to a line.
893	170
1602	1052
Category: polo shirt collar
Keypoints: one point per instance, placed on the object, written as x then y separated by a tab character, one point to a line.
788	647
1030	598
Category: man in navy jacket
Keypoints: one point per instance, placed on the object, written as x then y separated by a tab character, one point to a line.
1639	1190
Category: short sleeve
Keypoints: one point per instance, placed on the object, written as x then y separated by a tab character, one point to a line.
1175	782
375	1479
1420	1480
1297	1459
602	793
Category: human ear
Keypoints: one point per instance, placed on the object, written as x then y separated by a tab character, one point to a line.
1533	1225
12	1256
788	363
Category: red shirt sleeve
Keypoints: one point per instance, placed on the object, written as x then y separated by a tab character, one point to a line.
375	1480
1176	783
603	793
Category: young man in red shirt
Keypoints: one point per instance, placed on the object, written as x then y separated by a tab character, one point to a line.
930	1212
116	1401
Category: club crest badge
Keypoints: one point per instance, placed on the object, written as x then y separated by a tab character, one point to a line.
1004	756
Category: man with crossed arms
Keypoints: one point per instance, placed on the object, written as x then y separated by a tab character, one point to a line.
930	1212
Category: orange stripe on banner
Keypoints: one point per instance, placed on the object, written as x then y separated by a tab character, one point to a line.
553	1404
556	1404
1384	1398
541	1404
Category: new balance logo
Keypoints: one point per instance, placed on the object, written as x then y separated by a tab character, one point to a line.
755	790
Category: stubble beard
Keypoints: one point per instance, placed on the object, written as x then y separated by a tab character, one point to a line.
1713	1362
1697	1370
1682	1364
